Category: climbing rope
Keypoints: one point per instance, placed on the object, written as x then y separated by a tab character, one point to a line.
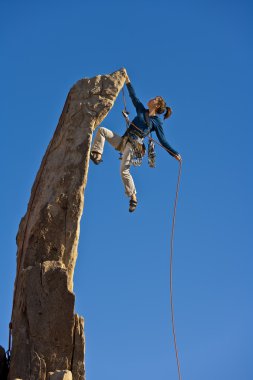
171	243
171	254
171	268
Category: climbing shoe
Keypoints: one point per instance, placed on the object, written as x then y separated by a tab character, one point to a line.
132	205
94	158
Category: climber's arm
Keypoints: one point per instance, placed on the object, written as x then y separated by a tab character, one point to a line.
136	102
161	137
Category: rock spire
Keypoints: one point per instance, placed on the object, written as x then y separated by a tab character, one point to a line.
47	335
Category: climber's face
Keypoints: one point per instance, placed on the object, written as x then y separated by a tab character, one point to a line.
153	103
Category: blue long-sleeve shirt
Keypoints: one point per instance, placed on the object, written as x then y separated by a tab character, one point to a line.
147	124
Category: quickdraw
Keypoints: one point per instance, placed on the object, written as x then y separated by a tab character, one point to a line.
151	154
138	149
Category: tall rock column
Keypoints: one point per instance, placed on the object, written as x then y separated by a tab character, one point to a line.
47	336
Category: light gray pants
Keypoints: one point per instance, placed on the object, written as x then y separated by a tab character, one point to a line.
126	149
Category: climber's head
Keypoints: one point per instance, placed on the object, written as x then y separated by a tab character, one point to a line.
159	105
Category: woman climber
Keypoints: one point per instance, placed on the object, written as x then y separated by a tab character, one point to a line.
131	143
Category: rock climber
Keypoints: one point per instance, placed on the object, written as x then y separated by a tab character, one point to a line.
131	143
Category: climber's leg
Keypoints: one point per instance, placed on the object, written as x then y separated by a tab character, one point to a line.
99	142
127	179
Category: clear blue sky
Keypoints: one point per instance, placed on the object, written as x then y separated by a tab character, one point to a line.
198	56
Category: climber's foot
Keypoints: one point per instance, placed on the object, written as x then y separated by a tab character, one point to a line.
133	203
96	157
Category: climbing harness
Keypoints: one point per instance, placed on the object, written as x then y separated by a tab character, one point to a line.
151	160
138	147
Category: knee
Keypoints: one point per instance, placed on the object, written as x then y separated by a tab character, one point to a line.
101	130
125	171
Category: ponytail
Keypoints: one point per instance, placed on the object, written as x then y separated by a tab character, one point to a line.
168	112
162	108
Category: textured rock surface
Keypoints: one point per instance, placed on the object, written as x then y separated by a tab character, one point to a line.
60	375
47	335
3	364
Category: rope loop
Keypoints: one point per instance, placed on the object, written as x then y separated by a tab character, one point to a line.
171	241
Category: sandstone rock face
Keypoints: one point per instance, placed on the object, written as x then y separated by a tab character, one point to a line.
3	364
60	375
48	337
